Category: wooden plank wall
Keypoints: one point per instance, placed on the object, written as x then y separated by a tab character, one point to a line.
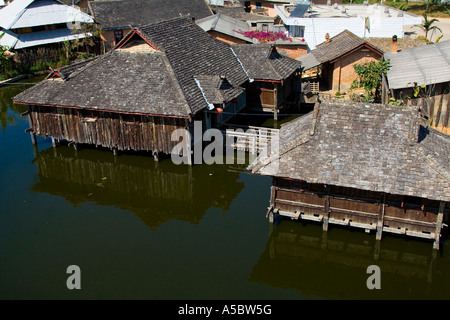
347	206
436	106
106	129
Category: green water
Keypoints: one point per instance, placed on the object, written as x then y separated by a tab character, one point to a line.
139	229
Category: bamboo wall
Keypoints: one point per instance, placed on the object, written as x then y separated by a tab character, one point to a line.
106	129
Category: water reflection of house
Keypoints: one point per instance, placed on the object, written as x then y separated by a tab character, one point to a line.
155	192
374	167
116	17
334	266
157	80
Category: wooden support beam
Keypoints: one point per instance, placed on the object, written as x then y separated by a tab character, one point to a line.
32	134
381	217
115	152
53	142
437	231
326	210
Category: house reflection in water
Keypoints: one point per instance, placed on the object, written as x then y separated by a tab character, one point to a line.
155	192
333	265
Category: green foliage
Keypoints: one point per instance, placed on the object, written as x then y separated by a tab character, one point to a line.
92	34
417	89
427	25
369	78
395	102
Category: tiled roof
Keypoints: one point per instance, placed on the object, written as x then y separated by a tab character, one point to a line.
217	89
238	12
426	65
364	146
224	24
339	45
137	78
115	14
191	51
119	81
263	62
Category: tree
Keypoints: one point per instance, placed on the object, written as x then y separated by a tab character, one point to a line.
369	78
91	31
3	59
427	25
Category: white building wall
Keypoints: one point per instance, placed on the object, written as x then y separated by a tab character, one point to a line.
379	27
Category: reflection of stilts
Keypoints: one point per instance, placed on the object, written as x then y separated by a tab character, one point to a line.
430	270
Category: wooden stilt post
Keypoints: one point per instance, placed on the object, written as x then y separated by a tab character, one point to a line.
76	147
437	232
156	156
377	251
188	140
381	218
53	142
32	134
35	150
326	210
33	138
115	152
324	242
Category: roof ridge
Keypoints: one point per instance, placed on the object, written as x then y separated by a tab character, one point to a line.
175	80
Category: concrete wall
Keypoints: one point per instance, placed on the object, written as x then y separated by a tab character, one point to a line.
379	27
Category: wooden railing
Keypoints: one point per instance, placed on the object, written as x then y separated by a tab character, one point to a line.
252	139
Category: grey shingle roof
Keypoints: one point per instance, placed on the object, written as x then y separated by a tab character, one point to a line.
308	61
263	62
119	81
149	81
114	14
224	24
217	89
339	45
238	12
191	51
370	147
425	65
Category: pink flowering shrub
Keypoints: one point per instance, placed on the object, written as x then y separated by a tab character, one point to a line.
265	36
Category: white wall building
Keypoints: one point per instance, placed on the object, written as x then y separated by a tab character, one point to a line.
314	22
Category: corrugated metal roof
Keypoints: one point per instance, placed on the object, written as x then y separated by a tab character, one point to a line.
224	24
8	39
424	65
44	37
30	13
12	12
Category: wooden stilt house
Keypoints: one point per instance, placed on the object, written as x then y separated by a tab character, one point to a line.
374	167
274	77
135	96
